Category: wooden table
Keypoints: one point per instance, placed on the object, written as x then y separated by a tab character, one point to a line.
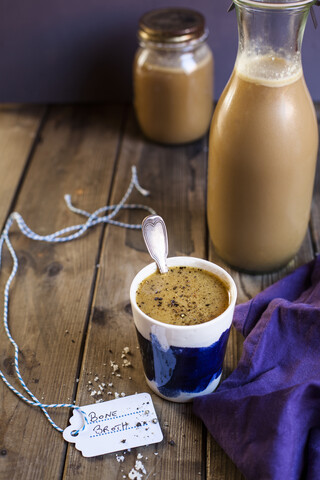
69	307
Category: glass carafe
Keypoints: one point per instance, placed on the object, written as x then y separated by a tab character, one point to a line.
263	142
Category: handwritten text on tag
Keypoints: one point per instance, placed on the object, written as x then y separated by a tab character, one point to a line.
114	425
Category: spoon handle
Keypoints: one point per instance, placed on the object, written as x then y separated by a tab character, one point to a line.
156	239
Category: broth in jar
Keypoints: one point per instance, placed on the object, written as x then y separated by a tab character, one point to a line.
173	76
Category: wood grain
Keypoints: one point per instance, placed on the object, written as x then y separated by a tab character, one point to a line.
19	126
175	177
248	285
70	310
52	290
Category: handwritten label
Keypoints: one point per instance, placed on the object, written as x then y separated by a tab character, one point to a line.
115	425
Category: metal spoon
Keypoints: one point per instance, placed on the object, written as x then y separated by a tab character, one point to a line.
156	239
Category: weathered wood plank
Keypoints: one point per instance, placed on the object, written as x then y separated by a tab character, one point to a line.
19	126
248	285
52	291
176	178
51	294
219	465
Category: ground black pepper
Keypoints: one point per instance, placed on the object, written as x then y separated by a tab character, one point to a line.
202	296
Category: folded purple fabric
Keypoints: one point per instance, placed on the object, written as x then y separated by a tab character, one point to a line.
266	414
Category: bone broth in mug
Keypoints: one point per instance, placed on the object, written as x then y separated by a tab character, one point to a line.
183	319
183	296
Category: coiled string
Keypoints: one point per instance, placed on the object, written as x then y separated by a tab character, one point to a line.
65	235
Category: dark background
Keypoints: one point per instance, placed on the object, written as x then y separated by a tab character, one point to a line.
82	50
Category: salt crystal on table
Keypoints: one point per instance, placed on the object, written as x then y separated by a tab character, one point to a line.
139	466
134	475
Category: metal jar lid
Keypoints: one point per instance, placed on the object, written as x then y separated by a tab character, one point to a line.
171	25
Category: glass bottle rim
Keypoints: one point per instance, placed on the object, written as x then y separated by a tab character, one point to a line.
274	5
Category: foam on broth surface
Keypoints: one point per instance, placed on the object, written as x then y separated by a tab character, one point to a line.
183	296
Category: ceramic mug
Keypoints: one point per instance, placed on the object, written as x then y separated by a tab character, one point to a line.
182	362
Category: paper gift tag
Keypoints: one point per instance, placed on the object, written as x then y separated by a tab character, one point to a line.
114	425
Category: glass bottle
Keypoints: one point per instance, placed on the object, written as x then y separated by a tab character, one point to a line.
173	76
263	142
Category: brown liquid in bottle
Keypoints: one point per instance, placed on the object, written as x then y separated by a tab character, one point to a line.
174	105
262	158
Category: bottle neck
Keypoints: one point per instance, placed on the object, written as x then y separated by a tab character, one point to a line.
271	30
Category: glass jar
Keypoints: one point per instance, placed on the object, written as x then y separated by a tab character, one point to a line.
263	142
173	76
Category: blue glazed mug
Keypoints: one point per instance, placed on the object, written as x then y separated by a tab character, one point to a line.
182	362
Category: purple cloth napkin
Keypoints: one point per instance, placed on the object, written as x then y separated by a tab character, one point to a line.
266	414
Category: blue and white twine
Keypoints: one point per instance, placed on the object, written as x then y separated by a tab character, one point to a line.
64	235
